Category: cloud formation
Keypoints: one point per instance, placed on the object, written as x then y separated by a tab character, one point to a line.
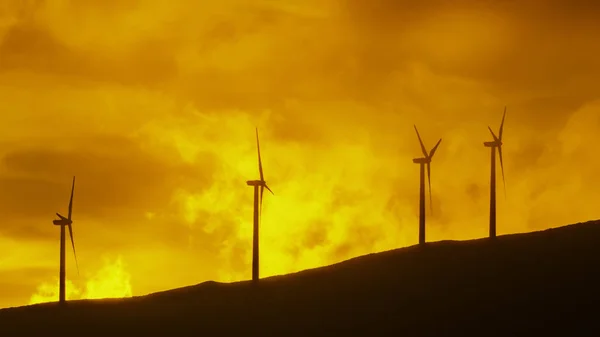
153	107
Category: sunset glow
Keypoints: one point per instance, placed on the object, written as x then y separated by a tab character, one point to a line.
153	106
112	281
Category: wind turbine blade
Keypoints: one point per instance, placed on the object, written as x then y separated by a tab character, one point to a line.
71	200
502	125
262	190
73	245
421	142
435	148
502	168
260	170
267	187
429	183
493	134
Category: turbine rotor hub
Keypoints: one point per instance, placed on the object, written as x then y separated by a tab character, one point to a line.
255	183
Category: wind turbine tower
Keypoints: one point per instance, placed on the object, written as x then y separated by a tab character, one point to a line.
424	161
262	184
493	145
62	222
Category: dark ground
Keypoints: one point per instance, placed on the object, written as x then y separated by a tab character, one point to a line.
537	284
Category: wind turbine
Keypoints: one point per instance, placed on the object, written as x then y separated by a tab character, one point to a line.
426	160
62	222
257	209
496	144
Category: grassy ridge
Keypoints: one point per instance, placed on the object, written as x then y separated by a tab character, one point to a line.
540	283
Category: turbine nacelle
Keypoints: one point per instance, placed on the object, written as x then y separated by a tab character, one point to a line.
422	160
256	183
62	221
497	140
259	183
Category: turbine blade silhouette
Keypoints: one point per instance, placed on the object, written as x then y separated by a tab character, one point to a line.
71	200
434	148
262	190
502	169
73	245
502	125
493	134
260	170
429	183
423	149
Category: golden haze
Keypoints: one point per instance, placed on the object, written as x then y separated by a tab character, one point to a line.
153	104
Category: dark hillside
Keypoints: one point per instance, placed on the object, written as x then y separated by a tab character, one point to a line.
536	284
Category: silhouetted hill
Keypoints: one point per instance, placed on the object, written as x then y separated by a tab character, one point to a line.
536	284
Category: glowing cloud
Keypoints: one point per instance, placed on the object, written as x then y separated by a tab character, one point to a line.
111	281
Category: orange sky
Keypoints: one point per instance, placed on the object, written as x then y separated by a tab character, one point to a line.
152	105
